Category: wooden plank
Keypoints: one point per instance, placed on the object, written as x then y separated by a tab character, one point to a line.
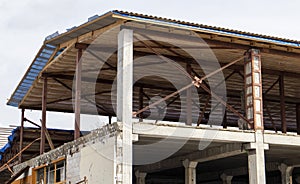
44	111
48	137
21	134
298	118
78	94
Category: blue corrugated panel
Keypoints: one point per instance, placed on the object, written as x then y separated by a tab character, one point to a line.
36	67
9	143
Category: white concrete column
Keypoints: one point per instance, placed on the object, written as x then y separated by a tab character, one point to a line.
226	179
256	159
140	177
286	173
190	171
124	100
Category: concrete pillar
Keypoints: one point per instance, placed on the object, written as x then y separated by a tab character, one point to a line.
124	100
256	160
286	173
140	177
190	171
226	179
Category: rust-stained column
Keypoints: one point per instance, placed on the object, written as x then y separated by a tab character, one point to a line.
253	89
188	98
298	118
78	94
254	113
282	103
44	111
21	134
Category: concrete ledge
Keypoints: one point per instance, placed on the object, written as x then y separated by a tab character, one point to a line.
192	133
282	139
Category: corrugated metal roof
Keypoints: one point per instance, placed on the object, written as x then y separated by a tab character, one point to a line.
97	22
37	65
214	29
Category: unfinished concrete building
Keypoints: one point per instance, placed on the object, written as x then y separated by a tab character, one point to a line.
193	104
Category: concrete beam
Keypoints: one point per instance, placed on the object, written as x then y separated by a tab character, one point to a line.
226	150
277	139
190	171
252	145
124	100
192	133
295	162
210	176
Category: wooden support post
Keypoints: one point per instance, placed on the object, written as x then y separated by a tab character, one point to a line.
48	137
225	119
270	116
202	113
44	111
124	101
141	103
109	119
78	94
189	98
282	103
21	134
298	118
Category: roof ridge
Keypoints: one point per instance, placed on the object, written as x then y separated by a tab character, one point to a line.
216	28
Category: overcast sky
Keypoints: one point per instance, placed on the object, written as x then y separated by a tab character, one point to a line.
25	23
